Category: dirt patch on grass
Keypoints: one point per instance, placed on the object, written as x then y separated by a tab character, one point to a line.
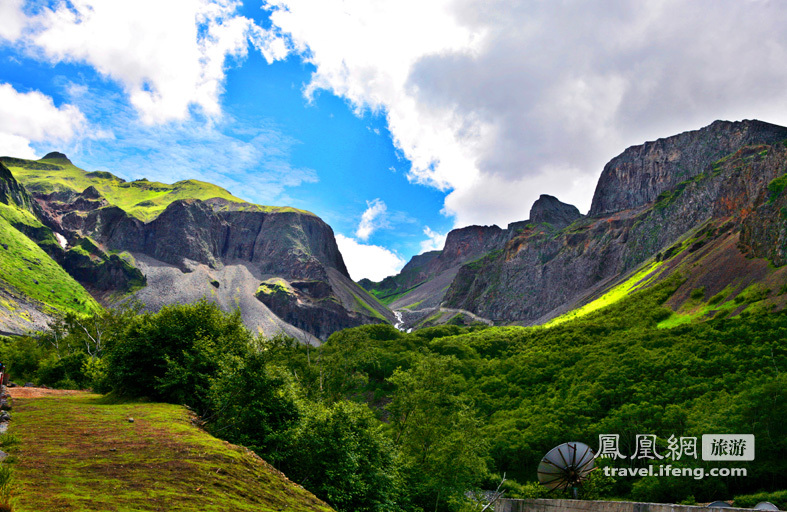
19	392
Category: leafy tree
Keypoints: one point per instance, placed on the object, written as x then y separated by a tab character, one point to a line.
433	424
341	454
255	405
174	355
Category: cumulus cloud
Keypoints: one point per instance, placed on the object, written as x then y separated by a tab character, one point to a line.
371	219
498	101
168	56
434	241
249	157
28	117
14	20
368	261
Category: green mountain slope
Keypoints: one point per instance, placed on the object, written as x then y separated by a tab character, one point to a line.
615	370
143	199
32	284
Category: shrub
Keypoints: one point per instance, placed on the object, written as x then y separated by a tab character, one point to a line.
698	293
64	372
174	355
23	357
717	298
778	498
254	406
776	186
344	457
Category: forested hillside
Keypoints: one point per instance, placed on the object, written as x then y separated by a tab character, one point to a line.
379	419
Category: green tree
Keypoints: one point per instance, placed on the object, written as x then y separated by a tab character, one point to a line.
175	354
433	424
255	405
341	454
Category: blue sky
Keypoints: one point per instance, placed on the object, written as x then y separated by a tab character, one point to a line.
394	121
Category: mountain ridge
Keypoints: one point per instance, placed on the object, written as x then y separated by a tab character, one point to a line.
535	271
169	236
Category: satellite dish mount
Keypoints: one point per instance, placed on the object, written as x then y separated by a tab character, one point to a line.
566	466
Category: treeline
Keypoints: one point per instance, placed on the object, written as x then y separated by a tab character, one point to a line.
378	419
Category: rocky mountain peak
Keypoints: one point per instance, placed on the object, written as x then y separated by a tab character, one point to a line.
638	175
551	210
55	155
469	242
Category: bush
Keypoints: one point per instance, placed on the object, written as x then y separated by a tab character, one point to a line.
698	293
255	406
776	186
23	357
64	372
174	355
344	457
778	498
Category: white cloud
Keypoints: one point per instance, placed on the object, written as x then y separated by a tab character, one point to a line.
249	157
368	261
168	56
372	219
14	20
498	101
33	117
434	242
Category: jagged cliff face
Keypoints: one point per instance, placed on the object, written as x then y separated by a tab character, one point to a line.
431	272
726	176
657	193
548	210
219	248
641	173
292	244
426	279
11	192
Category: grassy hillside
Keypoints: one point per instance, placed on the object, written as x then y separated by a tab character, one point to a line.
28	271
717	280
141	198
81	453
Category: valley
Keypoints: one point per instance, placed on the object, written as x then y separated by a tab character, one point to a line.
661	311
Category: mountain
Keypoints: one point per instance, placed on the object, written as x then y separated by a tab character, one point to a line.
163	244
706	206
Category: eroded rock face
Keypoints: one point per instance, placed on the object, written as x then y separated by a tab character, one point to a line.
550	210
641	173
292	244
656	200
309	305
467	244
92	267
12	192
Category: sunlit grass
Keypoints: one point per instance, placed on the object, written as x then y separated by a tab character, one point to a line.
81	452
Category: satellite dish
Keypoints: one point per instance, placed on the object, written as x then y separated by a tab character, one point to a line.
566	466
765	505
719	504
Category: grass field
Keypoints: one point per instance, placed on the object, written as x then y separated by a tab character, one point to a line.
80	452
